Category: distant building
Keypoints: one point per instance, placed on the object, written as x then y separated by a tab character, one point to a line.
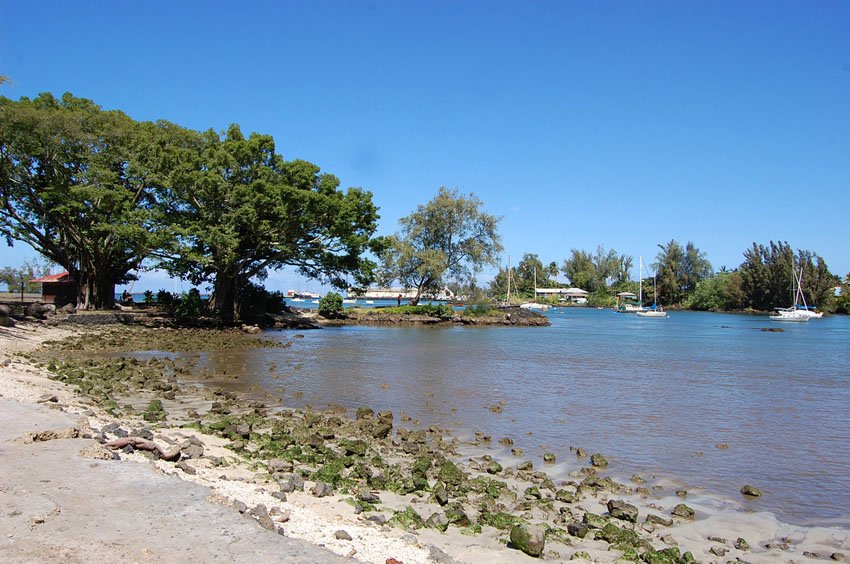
564	294
396	293
57	289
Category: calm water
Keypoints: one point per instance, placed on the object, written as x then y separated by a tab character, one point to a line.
654	396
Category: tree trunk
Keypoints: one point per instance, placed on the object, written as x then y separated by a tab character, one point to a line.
417	297
224	298
94	291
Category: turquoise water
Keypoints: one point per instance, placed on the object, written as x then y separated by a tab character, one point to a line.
654	396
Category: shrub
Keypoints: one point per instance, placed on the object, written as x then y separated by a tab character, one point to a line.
442	311
255	301
330	305
148	298
190	306
166	300
480	310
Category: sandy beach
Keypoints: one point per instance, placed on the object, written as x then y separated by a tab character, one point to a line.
80	484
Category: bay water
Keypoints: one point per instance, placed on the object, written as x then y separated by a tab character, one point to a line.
710	401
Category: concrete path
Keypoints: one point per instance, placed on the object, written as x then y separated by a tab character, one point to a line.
58	506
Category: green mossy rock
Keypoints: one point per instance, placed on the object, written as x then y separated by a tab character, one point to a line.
154	412
683	511
450	474
408	520
598	461
530	539
499	520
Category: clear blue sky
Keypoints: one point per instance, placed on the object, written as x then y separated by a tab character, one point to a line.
626	124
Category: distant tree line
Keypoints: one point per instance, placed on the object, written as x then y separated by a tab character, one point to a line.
101	194
685	278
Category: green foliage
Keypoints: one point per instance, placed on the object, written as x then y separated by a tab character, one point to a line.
718	293
149	298
241	210
166	300
480	310
768	277
594	272
679	270
442	311
73	185
30	269
330	305
254	301
190	306
449	238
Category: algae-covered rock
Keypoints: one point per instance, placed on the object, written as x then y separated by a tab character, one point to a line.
598	461
532	492
594	521
742	544
683	511
658	557
658	520
450	474
530	539
549	457
565	496
408	519
613	534
622	510
499	519
579	530
439	493
438	520
580	555
492	467
355	448
751	491
154	411
456	515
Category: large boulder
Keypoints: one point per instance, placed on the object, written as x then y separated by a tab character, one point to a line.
531	539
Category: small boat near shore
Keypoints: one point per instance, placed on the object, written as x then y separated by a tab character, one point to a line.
791	314
796	313
656	311
534	306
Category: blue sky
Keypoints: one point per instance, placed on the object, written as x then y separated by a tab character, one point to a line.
626	124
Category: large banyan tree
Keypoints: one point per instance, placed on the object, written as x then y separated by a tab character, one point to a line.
239	210
71	186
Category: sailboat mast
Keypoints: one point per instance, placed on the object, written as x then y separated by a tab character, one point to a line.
508	297
640	282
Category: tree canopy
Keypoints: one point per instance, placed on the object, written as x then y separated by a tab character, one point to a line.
448	238
679	270
596	272
241	210
72	188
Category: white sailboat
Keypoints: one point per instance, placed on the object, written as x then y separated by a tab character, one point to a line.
794	314
638	307
533	304
656	311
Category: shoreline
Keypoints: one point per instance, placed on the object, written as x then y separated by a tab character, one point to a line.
528	494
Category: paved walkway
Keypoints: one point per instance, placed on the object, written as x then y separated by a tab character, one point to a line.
58	506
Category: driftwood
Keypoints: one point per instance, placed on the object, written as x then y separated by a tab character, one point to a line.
144	444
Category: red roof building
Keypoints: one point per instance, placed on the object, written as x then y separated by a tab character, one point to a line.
58	289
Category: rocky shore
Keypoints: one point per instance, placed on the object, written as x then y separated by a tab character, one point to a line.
370	486
506	316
